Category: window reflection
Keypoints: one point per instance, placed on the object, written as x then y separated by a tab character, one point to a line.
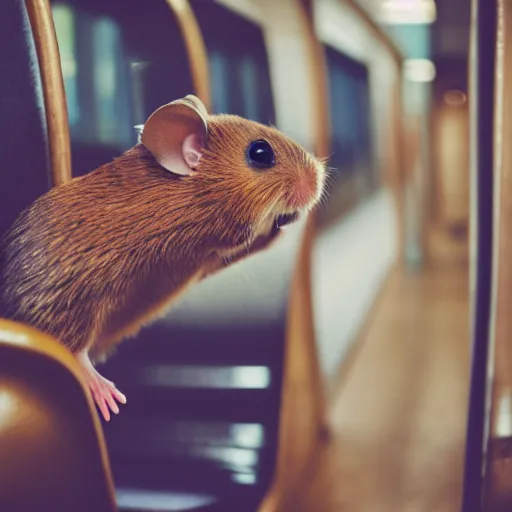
138	499
116	72
244	478
219	78
247	436
112	106
239	70
249	80
231	456
64	19
353	174
350	115
234	435
228	377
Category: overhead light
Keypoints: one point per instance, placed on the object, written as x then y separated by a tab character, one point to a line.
399	12
454	98
419	70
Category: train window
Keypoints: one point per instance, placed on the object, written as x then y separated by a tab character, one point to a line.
240	76
350	114
352	155
116	72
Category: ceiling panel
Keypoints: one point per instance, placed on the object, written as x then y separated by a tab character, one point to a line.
450	31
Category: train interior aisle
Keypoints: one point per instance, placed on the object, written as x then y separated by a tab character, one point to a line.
399	406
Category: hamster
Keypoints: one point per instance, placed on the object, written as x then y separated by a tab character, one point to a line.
92	261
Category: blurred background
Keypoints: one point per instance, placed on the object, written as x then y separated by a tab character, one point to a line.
330	373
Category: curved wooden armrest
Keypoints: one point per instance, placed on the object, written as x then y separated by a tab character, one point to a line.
52	451
303	426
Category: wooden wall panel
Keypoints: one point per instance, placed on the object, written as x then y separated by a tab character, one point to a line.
451	139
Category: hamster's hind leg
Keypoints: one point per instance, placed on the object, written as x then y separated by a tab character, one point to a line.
104	392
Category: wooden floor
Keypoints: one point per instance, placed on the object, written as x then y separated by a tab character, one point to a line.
399	417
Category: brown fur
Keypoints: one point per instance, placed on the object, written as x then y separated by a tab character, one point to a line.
93	260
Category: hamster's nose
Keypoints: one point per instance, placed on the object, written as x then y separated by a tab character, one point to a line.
304	189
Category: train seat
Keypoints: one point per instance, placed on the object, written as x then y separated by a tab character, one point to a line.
50	437
53	455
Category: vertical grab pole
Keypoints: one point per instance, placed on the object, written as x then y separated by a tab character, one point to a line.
47	48
481	95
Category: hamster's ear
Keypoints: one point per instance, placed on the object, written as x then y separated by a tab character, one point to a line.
176	133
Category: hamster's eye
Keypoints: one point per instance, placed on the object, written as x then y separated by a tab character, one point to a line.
260	154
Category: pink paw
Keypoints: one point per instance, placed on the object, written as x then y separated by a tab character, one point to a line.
105	395
103	391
